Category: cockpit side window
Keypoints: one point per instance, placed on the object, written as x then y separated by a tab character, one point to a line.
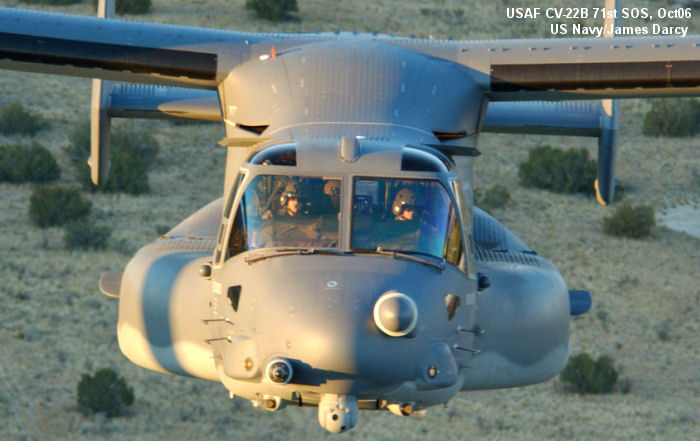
465	207
453	242
227	213
238	240
232	194
407	215
287	211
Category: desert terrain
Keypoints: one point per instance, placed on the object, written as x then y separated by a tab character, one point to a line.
55	325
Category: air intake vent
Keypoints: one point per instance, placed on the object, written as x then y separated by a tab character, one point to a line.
417	160
258	130
234	295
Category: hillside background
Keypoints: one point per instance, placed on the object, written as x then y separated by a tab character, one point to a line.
55	325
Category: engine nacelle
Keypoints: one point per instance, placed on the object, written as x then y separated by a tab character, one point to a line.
163	307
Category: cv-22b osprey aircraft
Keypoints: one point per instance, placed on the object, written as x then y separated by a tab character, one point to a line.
345	266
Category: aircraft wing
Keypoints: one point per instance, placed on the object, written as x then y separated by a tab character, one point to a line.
574	68
125	50
506	70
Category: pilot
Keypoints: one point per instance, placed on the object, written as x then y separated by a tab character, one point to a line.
404	206
332	190
290	200
290	226
408	231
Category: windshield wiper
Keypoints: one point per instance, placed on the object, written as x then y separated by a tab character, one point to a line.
405	255
254	257
408	255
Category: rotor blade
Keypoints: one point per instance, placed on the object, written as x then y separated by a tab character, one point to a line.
106	8
607	152
100	125
610	122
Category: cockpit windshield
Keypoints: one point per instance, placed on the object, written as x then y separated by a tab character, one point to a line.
407	215
287	211
411	216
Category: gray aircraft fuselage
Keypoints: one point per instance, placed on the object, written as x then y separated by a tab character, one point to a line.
313	305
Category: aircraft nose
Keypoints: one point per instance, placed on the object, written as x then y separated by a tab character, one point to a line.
344	331
338	342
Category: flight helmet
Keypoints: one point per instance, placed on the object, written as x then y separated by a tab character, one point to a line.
405	199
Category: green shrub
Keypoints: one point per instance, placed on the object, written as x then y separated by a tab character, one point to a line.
129	138
494	197
137	141
133	6
676	117
133	150
82	234
104	392
274	10
78	151
16	119
663	330
32	163
130	6
561	171
625	385
630	221
584	376
127	174
49	206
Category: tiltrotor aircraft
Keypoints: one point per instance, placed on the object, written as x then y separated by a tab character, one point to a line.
345	267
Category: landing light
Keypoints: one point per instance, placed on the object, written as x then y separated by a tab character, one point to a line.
279	371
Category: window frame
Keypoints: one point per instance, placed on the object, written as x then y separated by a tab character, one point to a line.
225	226
432	177
269	170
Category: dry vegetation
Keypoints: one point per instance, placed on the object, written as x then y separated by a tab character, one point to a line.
55	325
